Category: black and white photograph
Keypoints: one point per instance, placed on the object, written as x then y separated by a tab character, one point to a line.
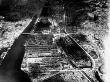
54	41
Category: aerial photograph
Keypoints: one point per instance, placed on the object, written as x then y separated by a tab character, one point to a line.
54	41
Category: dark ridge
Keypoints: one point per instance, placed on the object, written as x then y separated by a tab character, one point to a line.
14	10
11	64
6	6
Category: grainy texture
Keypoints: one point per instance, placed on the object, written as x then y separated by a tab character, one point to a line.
66	42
